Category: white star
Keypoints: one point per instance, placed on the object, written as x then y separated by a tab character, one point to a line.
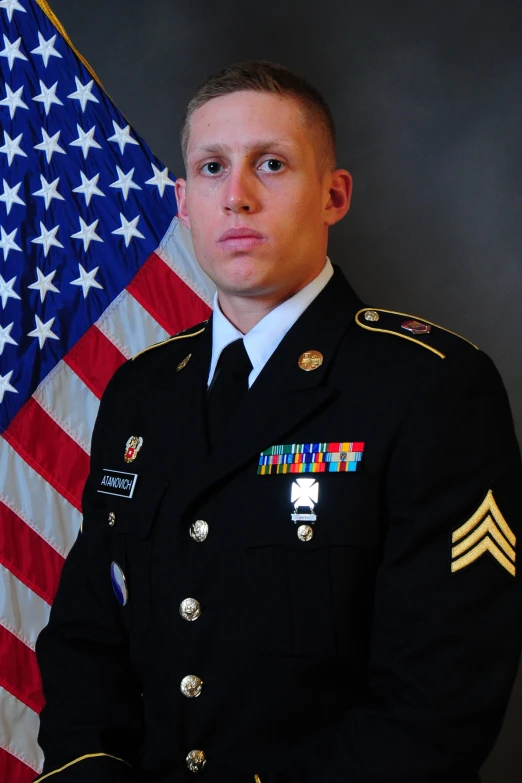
128	229
43	331
160	179
47	238
46	48
48	191
125	182
85	140
121	137
5	337
87	233
49	144
7	242
10	196
83	93
44	283
47	96
5	386
88	187
12	147
6	290
13	100
12	51
10	6
86	280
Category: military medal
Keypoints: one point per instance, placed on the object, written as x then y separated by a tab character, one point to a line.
132	448
336	457
305	493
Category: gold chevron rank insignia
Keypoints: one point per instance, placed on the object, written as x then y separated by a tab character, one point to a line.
485	531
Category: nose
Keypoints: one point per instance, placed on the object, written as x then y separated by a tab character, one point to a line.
239	191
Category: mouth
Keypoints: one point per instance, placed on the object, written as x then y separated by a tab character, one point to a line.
240	239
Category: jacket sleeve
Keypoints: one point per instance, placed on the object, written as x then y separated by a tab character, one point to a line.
91	724
446	634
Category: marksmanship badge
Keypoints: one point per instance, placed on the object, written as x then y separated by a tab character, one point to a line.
132	448
305	494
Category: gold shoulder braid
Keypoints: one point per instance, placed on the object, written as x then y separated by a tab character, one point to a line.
179	336
403	325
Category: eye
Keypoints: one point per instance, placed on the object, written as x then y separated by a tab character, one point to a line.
273	165
212	168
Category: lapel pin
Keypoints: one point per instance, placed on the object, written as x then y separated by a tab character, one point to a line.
132	448
183	364
310	360
416	327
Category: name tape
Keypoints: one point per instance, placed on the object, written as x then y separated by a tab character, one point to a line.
117	482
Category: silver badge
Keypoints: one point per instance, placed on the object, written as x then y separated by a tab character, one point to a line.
305	494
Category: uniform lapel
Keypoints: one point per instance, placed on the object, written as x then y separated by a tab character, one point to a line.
284	395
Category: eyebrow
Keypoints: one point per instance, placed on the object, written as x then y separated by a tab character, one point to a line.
256	146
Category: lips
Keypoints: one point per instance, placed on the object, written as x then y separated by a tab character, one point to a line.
240	239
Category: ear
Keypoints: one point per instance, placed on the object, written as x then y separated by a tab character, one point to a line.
339	194
180	188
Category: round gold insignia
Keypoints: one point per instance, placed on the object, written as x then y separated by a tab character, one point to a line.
310	360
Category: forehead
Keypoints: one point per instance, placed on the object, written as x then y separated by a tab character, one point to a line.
246	119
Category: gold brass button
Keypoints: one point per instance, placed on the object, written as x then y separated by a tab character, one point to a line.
191	686
371	315
112	519
310	360
190	609
305	532
199	530
196	760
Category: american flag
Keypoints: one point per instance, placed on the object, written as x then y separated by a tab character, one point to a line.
94	266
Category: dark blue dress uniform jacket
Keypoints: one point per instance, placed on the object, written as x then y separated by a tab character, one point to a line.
361	655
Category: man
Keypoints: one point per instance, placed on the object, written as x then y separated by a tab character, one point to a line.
297	561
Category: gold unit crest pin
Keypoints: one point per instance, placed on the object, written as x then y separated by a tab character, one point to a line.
132	448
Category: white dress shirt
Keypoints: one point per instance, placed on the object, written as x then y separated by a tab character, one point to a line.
262	340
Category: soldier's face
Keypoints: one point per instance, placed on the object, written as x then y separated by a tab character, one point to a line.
252	165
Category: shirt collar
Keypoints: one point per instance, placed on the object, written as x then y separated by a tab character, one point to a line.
262	340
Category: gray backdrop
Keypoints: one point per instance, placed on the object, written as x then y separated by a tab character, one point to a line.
426	98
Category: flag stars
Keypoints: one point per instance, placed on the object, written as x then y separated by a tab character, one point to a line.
13	100
125	182
6	290
128	229
12	51
160	179
43	331
89	188
12	147
86	280
5	386
87	233
5	337
10	196
46	48
7	242
48	96
83	93
85	140
44	284
48	191
49	145
122	137
10	6
47	238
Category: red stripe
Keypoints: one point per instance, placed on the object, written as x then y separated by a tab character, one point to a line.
166	297
14	771
43	444
31	559
95	360
19	673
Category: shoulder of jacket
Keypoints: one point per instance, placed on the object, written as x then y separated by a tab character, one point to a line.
440	341
194	331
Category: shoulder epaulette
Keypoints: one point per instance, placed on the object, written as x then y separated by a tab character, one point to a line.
192	332
409	327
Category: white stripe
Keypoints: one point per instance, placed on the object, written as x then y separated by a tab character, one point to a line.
70	403
22	612
177	250
129	326
35	501
19	730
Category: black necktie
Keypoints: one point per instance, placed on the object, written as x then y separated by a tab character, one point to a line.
229	387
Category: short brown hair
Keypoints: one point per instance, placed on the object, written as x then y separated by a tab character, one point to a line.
265	76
